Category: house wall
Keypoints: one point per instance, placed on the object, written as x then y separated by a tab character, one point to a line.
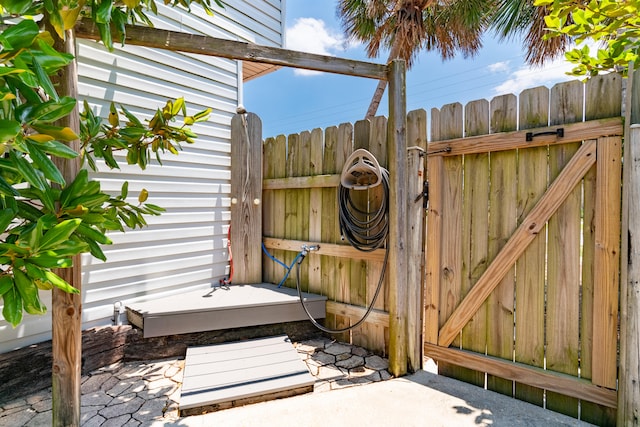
185	248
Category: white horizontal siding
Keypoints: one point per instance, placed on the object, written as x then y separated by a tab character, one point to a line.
186	247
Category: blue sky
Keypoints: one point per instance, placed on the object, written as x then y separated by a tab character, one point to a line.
290	101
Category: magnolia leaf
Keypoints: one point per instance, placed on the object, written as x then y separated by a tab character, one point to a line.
6	217
6	283
59	283
202	115
92	234
12	310
40	138
73	190
29	293
27	171
50	261
58	234
19	36
64	134
70	16
44	163
51	111
96	251
9	129
114	119
143	196
45	81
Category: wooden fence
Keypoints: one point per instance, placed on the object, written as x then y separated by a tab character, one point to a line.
522	245
300	205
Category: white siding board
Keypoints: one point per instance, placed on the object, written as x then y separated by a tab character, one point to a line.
150	84
185	248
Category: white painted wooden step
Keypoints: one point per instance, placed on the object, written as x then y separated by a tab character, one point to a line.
219	308
232	374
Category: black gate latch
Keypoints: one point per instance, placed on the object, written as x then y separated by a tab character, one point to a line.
424	195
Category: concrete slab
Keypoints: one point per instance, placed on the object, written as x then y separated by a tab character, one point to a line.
422	399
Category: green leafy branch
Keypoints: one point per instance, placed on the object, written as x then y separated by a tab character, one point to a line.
107	14
614	24
158	135
44	220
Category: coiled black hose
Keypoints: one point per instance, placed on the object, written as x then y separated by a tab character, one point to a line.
365	231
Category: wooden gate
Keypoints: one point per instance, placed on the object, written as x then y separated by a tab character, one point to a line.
523	244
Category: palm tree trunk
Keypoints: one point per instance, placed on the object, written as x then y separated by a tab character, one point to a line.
382	84
375	100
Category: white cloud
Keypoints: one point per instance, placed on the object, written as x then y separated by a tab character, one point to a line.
312	36
528	77
499	67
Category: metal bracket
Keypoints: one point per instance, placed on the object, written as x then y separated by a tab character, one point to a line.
559	132
424	195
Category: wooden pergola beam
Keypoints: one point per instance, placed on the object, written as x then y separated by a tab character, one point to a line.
211	46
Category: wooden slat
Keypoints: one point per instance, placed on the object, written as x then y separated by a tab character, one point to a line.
588	249
315	210
279	197
246	192
303	168
375	334
205	45
318	181
451	126
433	252
355	312
357	285
528	230
329	231
530	268
417	144
514	140
291	203
268	207
433	247
563	255
475	219
603	98
451	262
607	262
524	374
502	224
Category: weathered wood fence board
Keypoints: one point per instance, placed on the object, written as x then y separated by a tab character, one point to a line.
533	276
502	224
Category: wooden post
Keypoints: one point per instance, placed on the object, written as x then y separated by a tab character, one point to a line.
397	243
246	198
417	145
629	384
66	316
